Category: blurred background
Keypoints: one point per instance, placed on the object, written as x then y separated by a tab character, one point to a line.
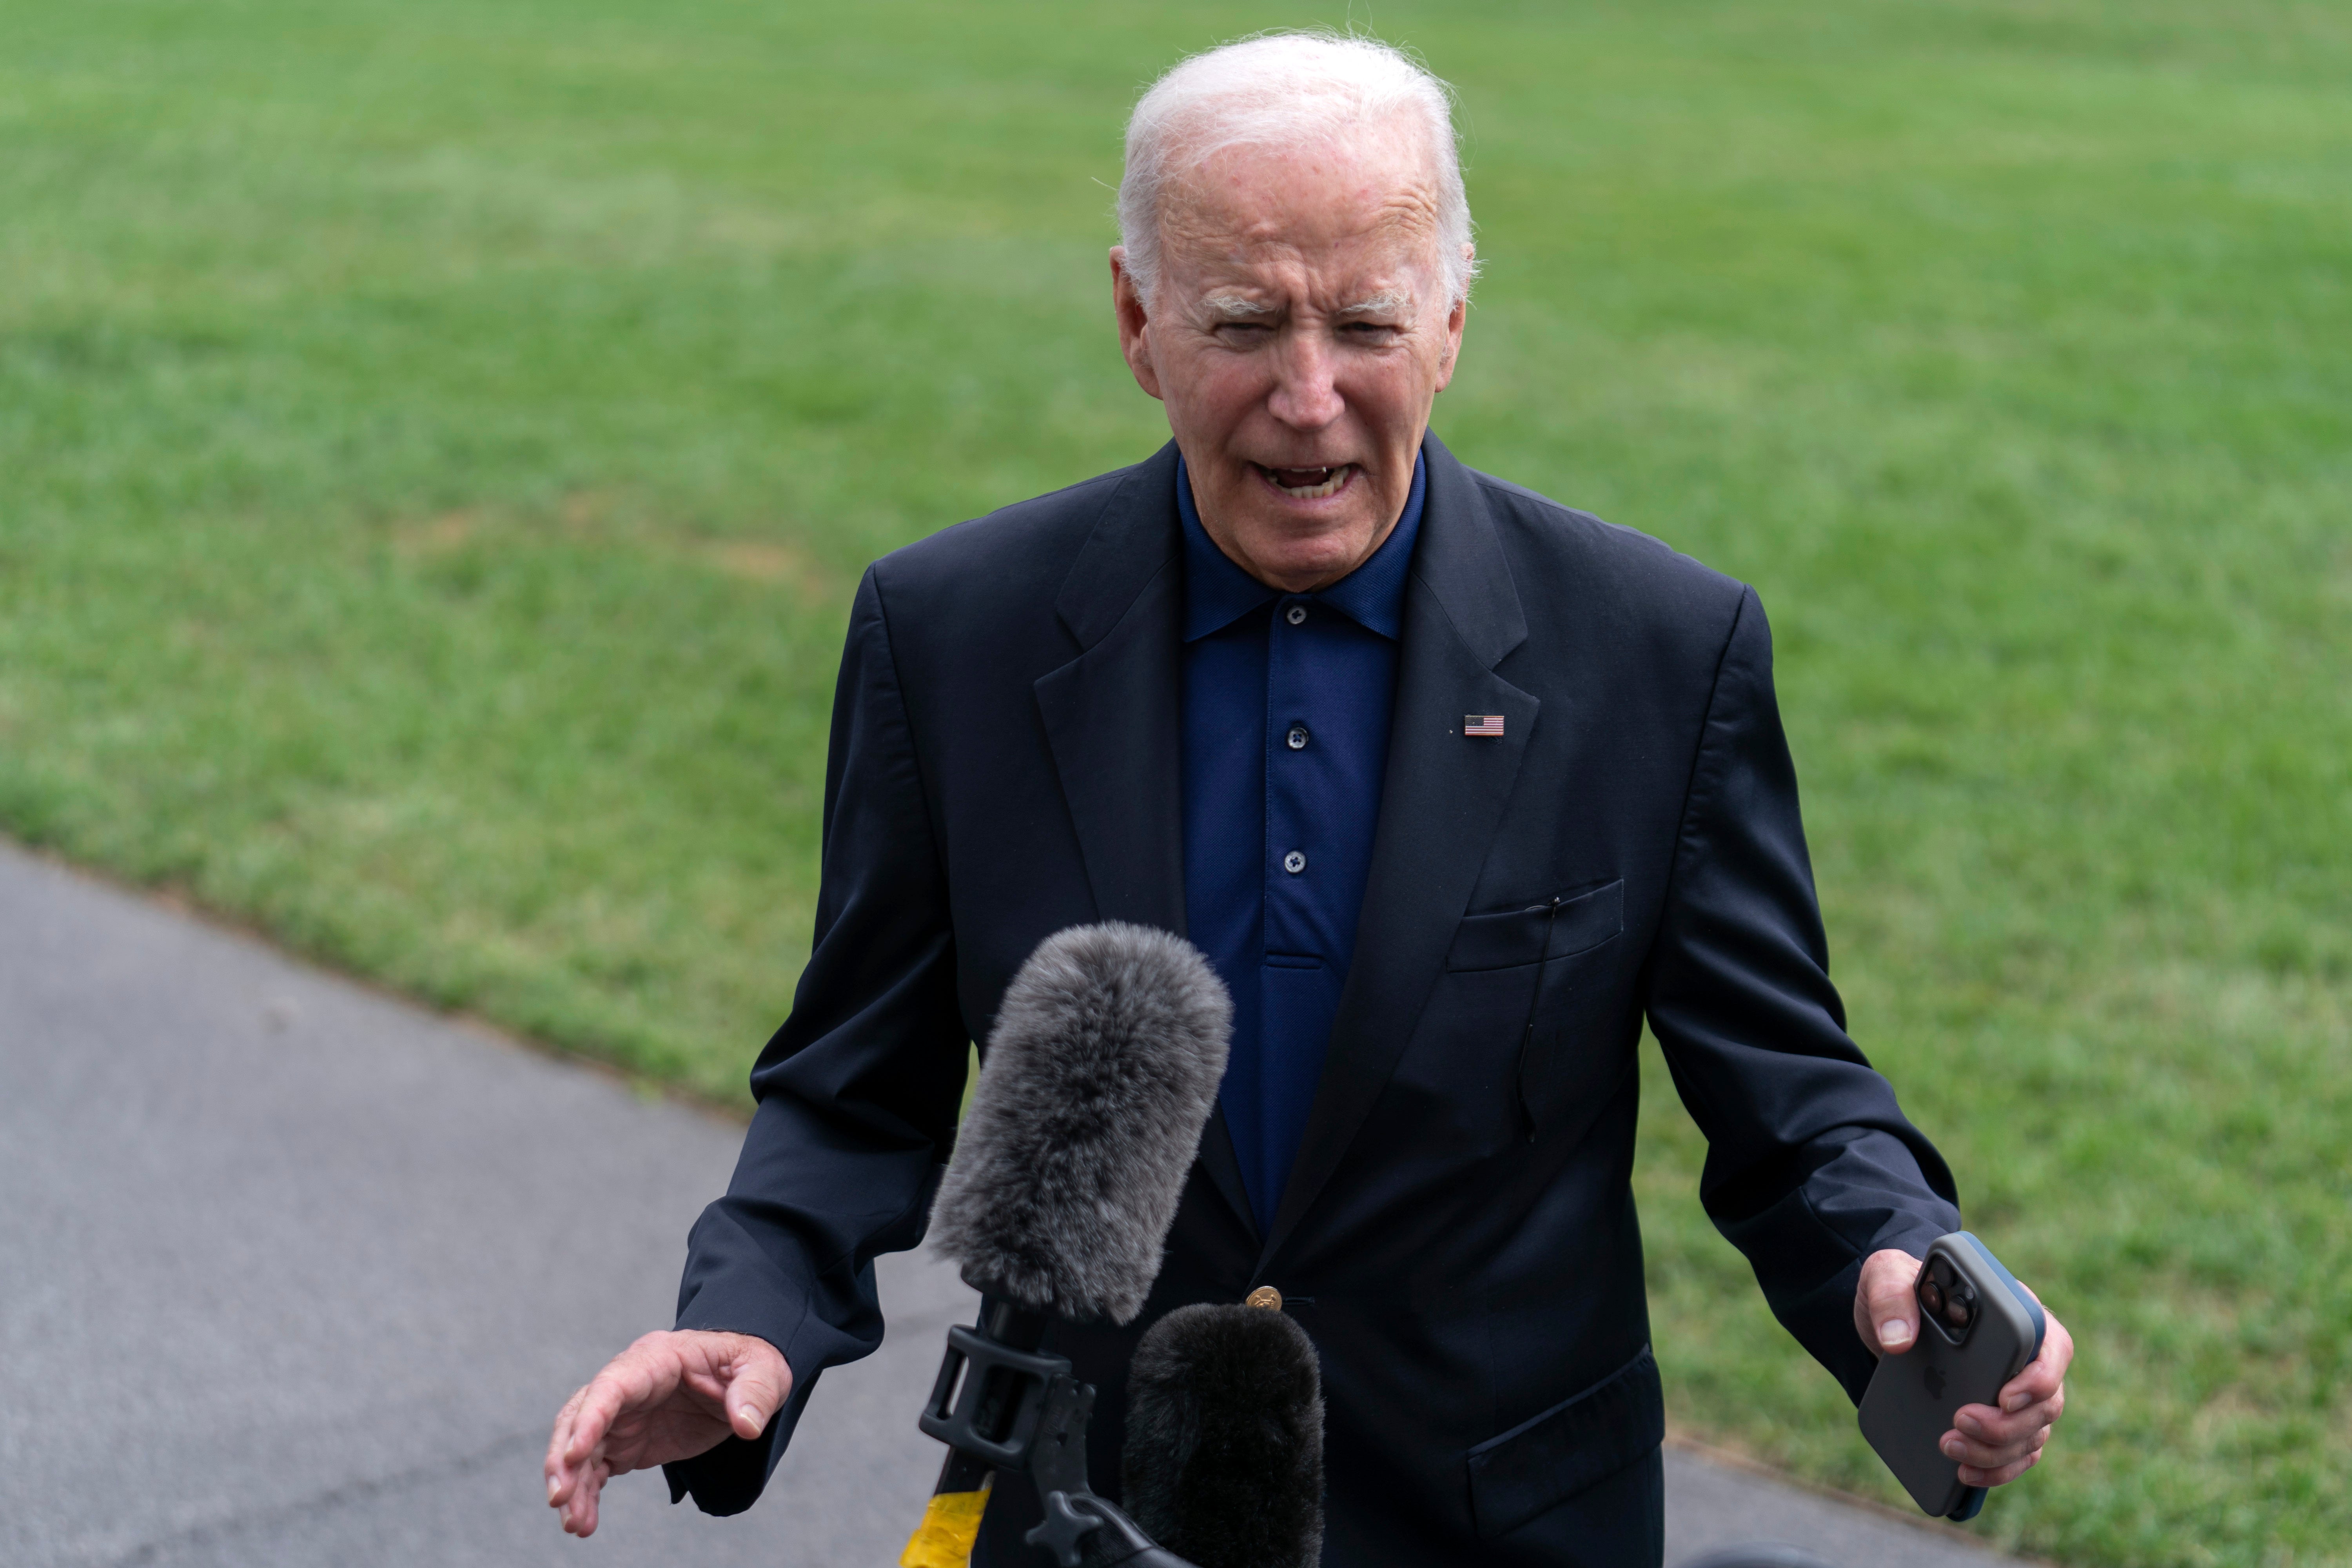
439	443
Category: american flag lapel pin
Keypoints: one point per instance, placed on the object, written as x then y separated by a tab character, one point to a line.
1483	724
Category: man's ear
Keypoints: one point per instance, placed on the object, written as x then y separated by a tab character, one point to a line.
1134	323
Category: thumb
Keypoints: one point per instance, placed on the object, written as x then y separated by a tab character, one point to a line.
1887	1283
756	1389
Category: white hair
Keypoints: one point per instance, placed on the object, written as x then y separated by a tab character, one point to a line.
1282	88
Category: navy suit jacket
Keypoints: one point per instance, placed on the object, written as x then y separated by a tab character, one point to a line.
1458	1234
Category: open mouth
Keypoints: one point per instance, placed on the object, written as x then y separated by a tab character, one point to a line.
1308	484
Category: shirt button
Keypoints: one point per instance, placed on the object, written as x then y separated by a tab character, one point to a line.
1294	862
1296	739
1295	615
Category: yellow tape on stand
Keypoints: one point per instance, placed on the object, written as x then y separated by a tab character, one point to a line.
950	1525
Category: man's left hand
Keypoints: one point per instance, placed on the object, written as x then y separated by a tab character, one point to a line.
1991	1446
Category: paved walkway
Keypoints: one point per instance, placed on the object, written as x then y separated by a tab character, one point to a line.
292	1273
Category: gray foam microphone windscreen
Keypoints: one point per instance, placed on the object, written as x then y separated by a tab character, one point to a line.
1223	1462
1101	1073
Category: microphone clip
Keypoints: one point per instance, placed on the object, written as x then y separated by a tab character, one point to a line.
991	1399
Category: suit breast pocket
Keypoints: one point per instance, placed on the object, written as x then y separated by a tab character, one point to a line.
1548	972
1576	921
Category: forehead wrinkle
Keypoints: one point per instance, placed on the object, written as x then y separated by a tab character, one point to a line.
1200	198
1410	210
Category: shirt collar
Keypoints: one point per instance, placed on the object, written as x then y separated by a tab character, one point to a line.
1217	593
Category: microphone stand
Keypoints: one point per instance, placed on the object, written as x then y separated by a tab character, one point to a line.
1002	1405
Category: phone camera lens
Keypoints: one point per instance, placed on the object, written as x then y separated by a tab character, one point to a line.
1958	1313
1931	1295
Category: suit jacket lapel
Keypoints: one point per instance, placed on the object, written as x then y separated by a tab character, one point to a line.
1114	718
1442	798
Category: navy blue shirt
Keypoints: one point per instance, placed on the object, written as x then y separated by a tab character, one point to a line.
1286	700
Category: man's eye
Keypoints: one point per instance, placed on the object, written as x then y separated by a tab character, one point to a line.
1243	331
1379	331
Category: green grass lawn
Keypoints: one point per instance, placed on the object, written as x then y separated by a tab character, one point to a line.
438	443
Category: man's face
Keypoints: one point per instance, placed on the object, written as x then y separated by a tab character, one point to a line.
1302	329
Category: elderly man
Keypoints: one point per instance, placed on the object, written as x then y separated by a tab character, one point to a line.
1453	785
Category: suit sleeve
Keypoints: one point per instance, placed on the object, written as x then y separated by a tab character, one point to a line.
857	1092
1810	1164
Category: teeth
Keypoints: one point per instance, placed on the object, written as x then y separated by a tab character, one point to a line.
1333	478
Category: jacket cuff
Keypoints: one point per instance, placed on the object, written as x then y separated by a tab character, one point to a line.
1810	1268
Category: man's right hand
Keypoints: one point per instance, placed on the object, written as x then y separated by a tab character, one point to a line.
667	1398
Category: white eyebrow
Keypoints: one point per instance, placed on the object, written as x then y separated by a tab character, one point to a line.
1388	304
1235	308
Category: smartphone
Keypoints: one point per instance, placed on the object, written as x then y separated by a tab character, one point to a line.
1978	1328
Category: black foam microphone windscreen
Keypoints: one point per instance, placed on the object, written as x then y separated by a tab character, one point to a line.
1223	1464
1101	1073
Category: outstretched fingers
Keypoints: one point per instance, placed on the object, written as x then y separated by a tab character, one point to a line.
560	1475
579	1511
572	1485
577	1467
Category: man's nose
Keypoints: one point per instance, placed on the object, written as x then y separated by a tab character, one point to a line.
1306	391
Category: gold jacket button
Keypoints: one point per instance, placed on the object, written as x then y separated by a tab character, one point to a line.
1264	1296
